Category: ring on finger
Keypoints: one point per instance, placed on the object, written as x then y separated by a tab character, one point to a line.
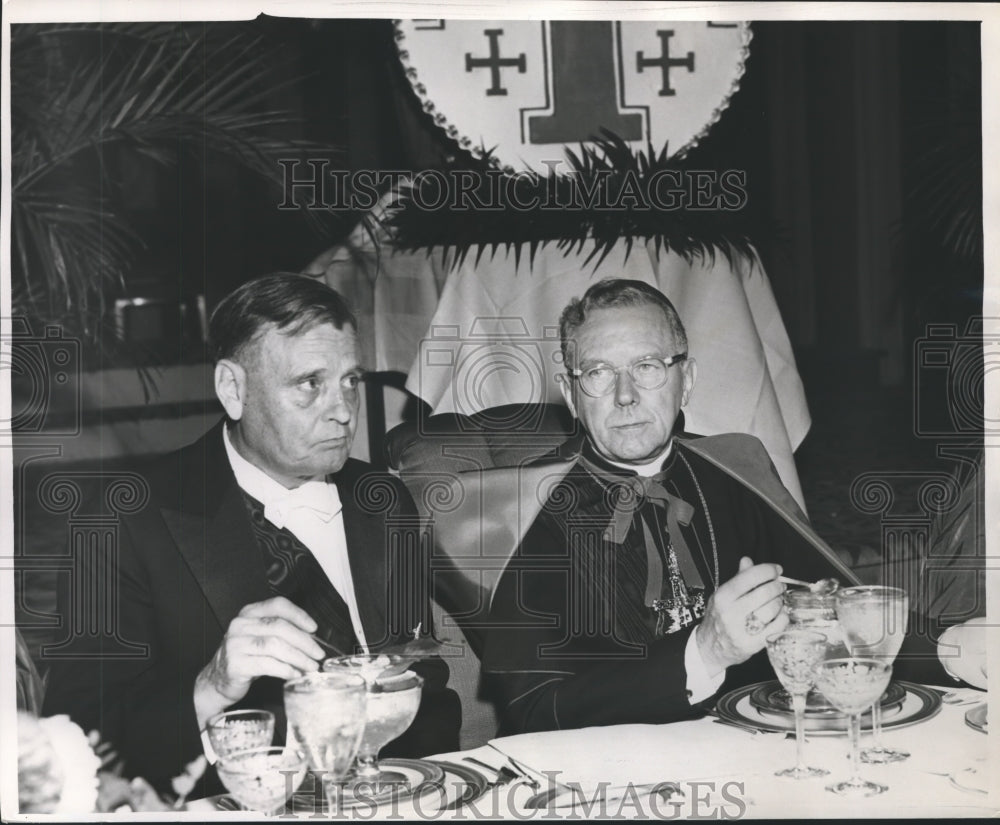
753	625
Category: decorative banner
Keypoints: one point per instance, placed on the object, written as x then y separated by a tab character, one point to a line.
529	90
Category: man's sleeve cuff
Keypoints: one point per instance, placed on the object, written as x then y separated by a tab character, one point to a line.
700	683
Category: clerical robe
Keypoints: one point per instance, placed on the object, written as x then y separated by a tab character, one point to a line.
574	638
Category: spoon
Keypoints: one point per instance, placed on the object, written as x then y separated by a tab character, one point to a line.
823	587
324	643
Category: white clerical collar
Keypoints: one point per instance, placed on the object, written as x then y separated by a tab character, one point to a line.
651	468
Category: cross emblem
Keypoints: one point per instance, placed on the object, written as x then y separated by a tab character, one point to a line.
495	63
665	62
584	93
544	86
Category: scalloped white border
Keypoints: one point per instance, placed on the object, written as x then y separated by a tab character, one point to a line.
465	143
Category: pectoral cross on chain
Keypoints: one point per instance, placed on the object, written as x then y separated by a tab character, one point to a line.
684	606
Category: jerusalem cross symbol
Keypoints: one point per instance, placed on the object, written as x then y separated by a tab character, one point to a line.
529	88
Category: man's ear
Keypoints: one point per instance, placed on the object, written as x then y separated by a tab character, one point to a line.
231	387
689	370
566	388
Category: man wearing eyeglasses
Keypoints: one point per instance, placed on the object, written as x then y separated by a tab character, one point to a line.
649	580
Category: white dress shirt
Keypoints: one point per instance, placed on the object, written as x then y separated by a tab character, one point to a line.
701	683
314	514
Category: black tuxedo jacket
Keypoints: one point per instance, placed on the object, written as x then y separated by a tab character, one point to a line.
184	567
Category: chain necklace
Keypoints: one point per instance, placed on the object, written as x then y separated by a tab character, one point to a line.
708	520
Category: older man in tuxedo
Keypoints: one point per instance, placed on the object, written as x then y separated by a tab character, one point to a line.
263	548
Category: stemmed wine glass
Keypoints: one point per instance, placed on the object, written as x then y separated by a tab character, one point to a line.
874	622
326	717
262	779
794	656
816	612
393	700
239	730
851	685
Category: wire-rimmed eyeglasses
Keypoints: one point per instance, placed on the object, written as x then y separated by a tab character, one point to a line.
647	373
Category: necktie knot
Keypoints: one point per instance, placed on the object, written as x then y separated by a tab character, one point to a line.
317	497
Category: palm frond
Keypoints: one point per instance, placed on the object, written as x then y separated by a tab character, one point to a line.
84	95
604	199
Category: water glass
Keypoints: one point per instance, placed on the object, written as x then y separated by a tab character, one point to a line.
851	685
794	656
262	779
326	717
874	620
239	730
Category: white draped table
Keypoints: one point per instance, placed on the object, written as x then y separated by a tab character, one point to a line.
726	772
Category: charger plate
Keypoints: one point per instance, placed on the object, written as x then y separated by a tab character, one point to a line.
771	698
421	775
918	704
461	785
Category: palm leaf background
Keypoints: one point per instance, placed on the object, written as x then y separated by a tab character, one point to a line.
84	95
601	173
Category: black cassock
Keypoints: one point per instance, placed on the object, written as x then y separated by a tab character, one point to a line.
591	617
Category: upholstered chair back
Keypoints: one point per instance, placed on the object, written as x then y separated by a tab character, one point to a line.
479	481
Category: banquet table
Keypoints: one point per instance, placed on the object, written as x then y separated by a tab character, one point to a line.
722	771
728	772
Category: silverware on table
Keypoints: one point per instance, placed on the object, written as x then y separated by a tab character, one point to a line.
504	775
481	764
530	775
748	728
514	770
958	785
718	720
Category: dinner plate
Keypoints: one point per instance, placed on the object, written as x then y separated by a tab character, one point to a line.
421	775
772	698
920	703
461	785
225	803
976	718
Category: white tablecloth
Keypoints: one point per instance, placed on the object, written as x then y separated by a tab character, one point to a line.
723	772
485	334
725	764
